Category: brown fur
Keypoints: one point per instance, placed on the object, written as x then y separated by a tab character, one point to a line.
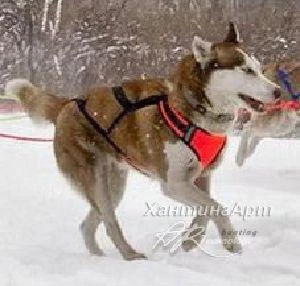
42	106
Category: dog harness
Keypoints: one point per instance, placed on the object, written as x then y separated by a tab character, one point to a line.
285	82
206	146
285	105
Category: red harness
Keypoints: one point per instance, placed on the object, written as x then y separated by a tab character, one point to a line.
205	145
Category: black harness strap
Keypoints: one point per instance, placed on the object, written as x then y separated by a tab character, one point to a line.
121	97
128	107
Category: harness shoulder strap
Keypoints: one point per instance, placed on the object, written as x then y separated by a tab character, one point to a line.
130	106
122	98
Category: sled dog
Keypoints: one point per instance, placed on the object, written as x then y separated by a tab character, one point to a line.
277	124
214	80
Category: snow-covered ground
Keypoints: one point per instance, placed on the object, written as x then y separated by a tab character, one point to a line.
40	243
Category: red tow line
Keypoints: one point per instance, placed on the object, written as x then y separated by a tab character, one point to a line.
21	138
291	105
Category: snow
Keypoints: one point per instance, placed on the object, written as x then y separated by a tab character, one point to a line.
40	243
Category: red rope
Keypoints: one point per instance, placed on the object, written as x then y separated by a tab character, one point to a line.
10	107
21	138
290	105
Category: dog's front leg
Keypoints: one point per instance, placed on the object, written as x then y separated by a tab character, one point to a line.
253	144
203	183
183	171
242	149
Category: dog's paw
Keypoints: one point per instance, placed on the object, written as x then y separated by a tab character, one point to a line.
96	251
130	256
231	242
233	245
188	245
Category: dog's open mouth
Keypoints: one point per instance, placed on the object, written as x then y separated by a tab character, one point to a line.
255	104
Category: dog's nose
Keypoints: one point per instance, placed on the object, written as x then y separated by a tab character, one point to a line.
277	93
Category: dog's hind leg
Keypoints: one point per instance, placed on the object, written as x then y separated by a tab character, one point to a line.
88	229
78	165
117	183
103	199
88	171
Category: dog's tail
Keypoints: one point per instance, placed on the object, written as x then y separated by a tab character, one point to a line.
39	105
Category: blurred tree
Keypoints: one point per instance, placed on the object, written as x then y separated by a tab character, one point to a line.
70	45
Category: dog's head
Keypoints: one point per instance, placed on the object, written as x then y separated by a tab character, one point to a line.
233	79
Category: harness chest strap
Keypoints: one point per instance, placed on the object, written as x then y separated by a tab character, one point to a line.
206	146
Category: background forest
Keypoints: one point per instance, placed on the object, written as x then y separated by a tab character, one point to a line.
68	45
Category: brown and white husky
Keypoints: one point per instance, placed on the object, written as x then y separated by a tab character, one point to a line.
277	124
216	79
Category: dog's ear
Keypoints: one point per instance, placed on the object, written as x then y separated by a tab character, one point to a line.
201	50
233	35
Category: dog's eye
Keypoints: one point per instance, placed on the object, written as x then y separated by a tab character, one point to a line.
249	71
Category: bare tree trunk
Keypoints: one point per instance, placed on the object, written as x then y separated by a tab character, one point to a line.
29	24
